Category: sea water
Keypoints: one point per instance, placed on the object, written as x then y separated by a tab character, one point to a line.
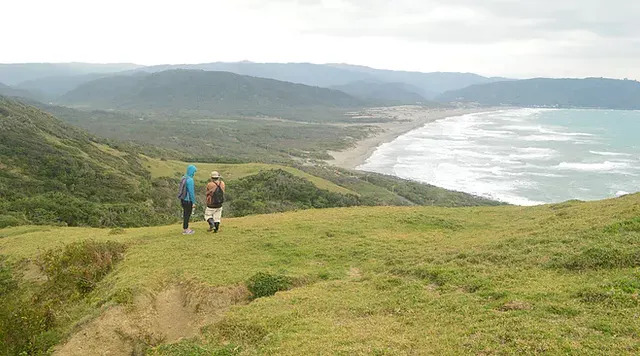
522	156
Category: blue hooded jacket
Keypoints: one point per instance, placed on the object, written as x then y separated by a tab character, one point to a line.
191	193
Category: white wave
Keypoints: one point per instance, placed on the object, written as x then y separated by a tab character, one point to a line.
561	133
606	153
592	167
508	156
547	138
533	153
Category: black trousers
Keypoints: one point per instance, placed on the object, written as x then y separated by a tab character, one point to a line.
187	207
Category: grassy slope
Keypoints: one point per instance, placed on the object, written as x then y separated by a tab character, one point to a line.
159	168
397	280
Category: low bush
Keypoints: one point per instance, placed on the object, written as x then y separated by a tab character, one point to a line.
24	321
264	284
79	266
8	220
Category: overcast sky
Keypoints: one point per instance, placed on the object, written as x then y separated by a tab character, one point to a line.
526	38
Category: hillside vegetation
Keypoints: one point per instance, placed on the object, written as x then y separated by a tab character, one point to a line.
556	279
198	91
54	173
370	188
586	93
221	138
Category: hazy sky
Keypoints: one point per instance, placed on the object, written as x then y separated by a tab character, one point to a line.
523	38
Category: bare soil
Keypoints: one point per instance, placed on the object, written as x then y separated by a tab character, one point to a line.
177	312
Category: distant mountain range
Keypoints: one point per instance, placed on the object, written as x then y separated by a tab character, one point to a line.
330	75
203	91
588	93
383	93
52	88
251	93
9	91
54	80
13	74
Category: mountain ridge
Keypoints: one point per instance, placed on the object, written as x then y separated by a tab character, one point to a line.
200	90
553	92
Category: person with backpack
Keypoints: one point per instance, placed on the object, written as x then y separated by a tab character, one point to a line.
187	196
215	198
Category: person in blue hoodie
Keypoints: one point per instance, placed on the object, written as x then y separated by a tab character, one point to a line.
187	197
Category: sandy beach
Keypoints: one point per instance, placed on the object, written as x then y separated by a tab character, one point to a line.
402	119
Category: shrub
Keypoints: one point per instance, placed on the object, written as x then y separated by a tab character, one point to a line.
24	322
264	284
79	266
7	282
7	220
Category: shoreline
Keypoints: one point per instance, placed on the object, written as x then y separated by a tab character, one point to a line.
403	120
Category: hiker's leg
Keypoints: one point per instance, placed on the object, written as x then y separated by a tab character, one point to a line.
217	216
187	207
208	217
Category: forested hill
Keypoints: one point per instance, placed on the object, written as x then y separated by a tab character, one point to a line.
197	90
53	173
589	92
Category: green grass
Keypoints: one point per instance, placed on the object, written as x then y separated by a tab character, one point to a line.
397	280
170	168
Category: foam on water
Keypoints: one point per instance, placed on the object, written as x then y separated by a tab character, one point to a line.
524	156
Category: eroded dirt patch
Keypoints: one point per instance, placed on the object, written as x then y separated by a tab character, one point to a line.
177	312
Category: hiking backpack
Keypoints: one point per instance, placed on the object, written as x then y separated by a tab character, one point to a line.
216	198
182	190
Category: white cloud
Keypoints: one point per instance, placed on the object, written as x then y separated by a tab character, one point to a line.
491	37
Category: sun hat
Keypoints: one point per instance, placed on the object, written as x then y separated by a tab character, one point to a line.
215	174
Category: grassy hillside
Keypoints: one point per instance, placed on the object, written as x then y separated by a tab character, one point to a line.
197	91
159	168
390	190
556	279
372	188
589	92
54	173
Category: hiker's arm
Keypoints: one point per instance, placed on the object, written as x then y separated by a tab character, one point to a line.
191	191
222	186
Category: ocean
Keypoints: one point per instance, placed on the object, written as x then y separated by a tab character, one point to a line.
522	156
